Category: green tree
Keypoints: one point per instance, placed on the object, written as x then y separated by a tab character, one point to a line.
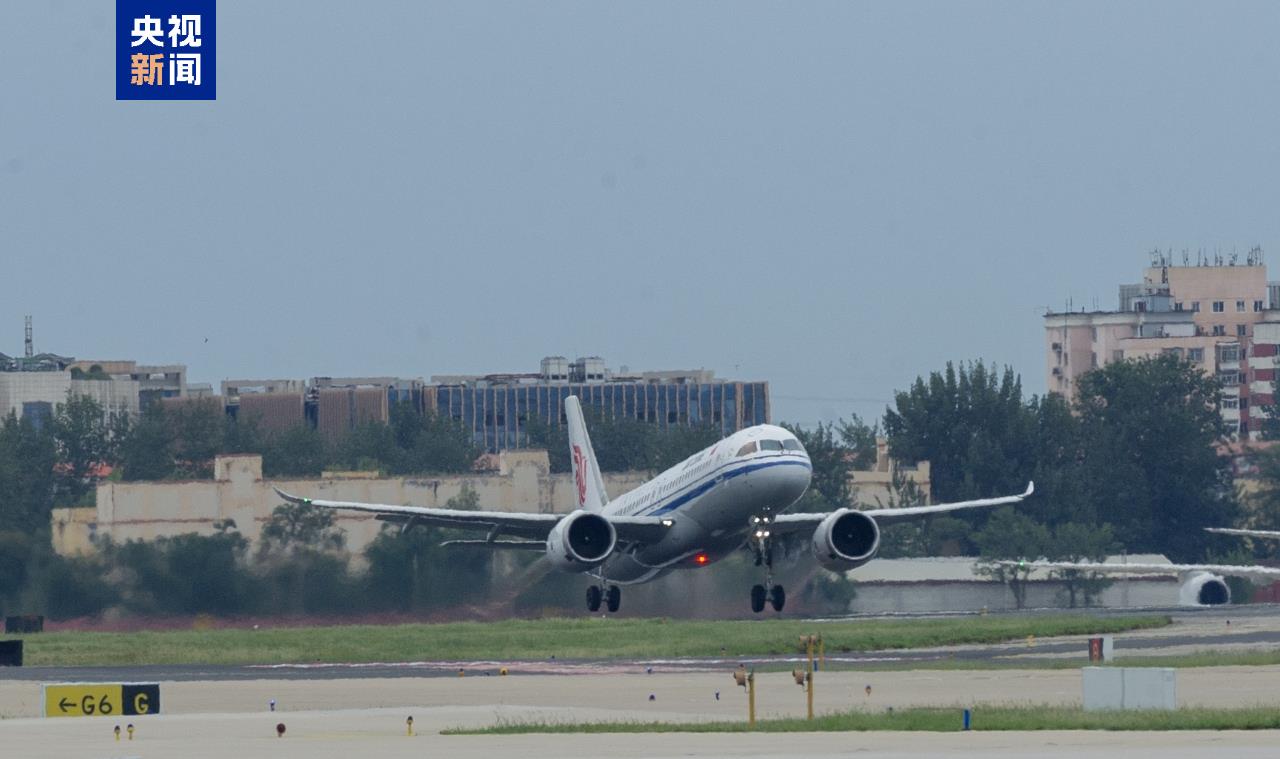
147	452
199	428
28	456
293	526
1010	536
83	439
973	427
1149	461
1075	542
299	451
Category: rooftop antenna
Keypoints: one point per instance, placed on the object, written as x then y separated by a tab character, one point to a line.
29	348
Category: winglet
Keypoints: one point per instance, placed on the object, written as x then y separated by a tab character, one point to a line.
586	473
1031	488
292	498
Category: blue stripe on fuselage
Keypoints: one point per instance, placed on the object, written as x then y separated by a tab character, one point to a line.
681	500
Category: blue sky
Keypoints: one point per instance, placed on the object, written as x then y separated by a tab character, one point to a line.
834	197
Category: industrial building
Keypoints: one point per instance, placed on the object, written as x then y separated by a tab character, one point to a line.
497	408
1220	313
32	386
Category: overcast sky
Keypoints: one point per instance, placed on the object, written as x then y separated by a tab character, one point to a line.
833	197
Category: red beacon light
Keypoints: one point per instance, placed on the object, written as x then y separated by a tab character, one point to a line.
701	559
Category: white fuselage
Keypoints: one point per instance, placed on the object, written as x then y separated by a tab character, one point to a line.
711	498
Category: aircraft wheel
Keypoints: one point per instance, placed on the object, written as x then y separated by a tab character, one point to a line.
757	598
777	597
613	597
593	597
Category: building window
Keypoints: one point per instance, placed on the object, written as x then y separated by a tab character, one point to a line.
1195	306
1230	403
1257	305
1093	360
1241	330
1240	307
1229	352
1229	379
1177	305
1219	330
1217	307
1196	355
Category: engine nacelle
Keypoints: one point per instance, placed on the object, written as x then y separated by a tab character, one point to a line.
580	541
1203	589
846	539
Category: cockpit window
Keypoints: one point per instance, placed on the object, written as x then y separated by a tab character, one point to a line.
792	445
770	445
747	449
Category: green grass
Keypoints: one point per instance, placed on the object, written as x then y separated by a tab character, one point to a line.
933	719
584	638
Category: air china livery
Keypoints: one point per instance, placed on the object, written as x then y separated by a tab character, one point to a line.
729	496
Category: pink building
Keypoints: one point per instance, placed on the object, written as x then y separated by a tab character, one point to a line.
1216	315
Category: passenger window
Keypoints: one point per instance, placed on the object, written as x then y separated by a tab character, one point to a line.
770	445
747	449
792	445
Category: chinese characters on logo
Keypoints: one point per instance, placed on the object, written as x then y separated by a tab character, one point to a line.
149	68
165	49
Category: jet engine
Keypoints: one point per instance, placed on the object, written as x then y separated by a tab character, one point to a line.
1203	589
580	541
846	539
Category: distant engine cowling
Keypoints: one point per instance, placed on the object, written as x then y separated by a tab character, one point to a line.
1204	589
846	539
580	541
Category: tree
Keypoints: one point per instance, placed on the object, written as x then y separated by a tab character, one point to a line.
83	438
147	452
971	425
1149	460
1075	542
292	526
1010	536
297	452
28	457
199	427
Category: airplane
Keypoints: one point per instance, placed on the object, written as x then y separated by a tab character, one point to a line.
732	494
1198	584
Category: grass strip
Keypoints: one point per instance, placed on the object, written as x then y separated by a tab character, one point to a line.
576	638
930	719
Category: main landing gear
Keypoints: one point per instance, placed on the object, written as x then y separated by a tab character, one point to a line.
611	595
762	543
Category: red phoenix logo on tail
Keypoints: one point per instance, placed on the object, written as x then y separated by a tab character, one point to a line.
580	474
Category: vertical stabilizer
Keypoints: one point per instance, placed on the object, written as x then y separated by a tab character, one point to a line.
586	473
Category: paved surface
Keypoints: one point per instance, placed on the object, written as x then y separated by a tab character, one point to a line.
354	710
367	716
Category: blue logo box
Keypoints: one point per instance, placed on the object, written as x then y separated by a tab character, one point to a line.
166	50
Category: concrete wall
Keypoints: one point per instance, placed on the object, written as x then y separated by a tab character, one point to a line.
149	510
884	597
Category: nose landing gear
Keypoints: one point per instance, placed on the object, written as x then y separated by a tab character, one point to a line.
762	542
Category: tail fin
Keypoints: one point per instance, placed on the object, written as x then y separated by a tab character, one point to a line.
586	473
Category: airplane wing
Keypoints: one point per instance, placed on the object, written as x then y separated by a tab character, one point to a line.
527	525
1250	572
784	523
1272	534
